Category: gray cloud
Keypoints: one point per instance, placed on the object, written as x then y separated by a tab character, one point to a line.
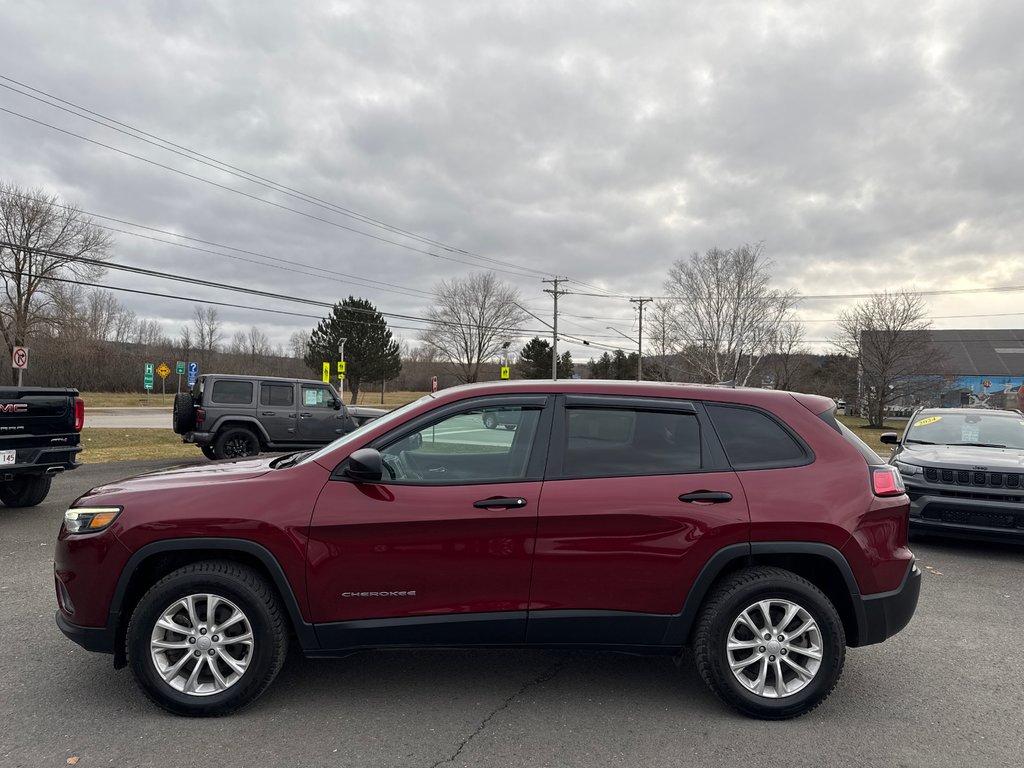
869	145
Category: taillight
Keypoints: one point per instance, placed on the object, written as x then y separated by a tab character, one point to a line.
887	481
79	414
200	416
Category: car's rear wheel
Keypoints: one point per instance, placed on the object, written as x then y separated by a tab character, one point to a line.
236	443
207	639
770	643
183	414
25	490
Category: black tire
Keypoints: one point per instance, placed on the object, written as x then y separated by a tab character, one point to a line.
208	452
237	588
183	415
741	592
490	420
236	443
25	490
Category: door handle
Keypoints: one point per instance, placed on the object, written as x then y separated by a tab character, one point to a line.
269	413
306	415
500	502
707	497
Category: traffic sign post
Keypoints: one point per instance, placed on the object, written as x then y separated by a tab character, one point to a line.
504	372
164	372
19	360
147	378
179	368
193	374
326	375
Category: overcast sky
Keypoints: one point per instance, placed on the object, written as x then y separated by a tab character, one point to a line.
867	145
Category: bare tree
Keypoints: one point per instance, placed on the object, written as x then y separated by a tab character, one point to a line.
41	239
726	315
888	335
470	320
206	333
789	363
662	342
298	345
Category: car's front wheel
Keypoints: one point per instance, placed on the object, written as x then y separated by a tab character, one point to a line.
207	639
770	643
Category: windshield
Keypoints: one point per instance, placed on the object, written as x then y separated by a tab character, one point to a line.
357	433
980	428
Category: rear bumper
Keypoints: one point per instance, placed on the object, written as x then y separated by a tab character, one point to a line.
885	614
199	438
97	639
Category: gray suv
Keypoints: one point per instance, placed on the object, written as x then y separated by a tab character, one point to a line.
230	417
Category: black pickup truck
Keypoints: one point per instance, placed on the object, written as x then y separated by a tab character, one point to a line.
40	436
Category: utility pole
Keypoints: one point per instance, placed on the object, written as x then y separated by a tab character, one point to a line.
640	301
341	376
555	293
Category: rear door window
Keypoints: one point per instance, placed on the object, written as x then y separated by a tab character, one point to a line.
622	442
232	392
754	440
280	395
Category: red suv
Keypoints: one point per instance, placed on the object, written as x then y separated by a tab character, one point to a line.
747	525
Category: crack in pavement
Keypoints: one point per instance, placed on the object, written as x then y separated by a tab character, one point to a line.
540	679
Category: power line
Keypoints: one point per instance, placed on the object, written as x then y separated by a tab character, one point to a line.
361	282
195	156
255	197
250	291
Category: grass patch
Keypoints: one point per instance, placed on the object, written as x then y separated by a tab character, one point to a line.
156	400
127	400
104	445
871	435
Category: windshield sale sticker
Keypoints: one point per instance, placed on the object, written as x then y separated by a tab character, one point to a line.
929	420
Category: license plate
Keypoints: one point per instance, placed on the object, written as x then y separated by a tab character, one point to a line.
8	457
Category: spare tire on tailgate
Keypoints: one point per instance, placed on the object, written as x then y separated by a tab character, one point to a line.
183	417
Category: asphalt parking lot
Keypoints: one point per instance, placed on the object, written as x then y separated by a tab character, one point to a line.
947	691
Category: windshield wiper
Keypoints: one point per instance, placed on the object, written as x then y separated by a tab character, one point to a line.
980	445
919	442
289	460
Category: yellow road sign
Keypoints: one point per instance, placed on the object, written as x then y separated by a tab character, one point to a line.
504	372
163	370
327	372
341	367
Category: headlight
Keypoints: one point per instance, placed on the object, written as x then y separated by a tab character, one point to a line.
89	519
907	470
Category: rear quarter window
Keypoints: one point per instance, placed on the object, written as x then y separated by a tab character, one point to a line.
231	392
754	440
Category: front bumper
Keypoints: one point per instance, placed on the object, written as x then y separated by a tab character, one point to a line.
974	518
98	639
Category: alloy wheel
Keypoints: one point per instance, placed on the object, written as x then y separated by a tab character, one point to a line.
201	644
774	648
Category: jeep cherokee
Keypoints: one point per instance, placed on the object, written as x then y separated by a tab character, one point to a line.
747	525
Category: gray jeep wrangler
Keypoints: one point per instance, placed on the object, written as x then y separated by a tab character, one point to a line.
230	417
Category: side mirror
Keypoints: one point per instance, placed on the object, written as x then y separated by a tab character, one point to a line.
365	465
338	405
889	438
